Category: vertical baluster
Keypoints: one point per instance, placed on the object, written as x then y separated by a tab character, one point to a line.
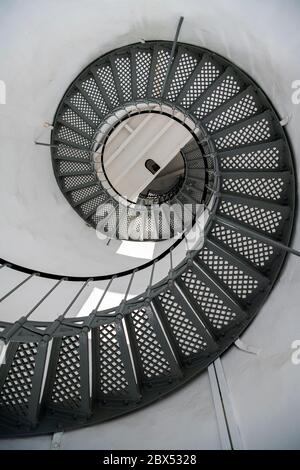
17	287
104	292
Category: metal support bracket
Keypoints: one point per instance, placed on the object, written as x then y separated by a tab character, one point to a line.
56	440
246	347
228	428
172	55
284	121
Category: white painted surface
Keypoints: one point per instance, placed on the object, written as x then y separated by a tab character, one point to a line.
38	227
154	136
39	58
137	250
265	388
36	39
163	425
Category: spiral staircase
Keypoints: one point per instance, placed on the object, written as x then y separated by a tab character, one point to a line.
75	372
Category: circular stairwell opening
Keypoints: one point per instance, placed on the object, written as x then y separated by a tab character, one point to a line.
168	181
181	171
142	157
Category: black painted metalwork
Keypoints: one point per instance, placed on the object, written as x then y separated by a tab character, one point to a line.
150	345
76	139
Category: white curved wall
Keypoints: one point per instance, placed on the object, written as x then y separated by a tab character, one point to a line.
43	47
